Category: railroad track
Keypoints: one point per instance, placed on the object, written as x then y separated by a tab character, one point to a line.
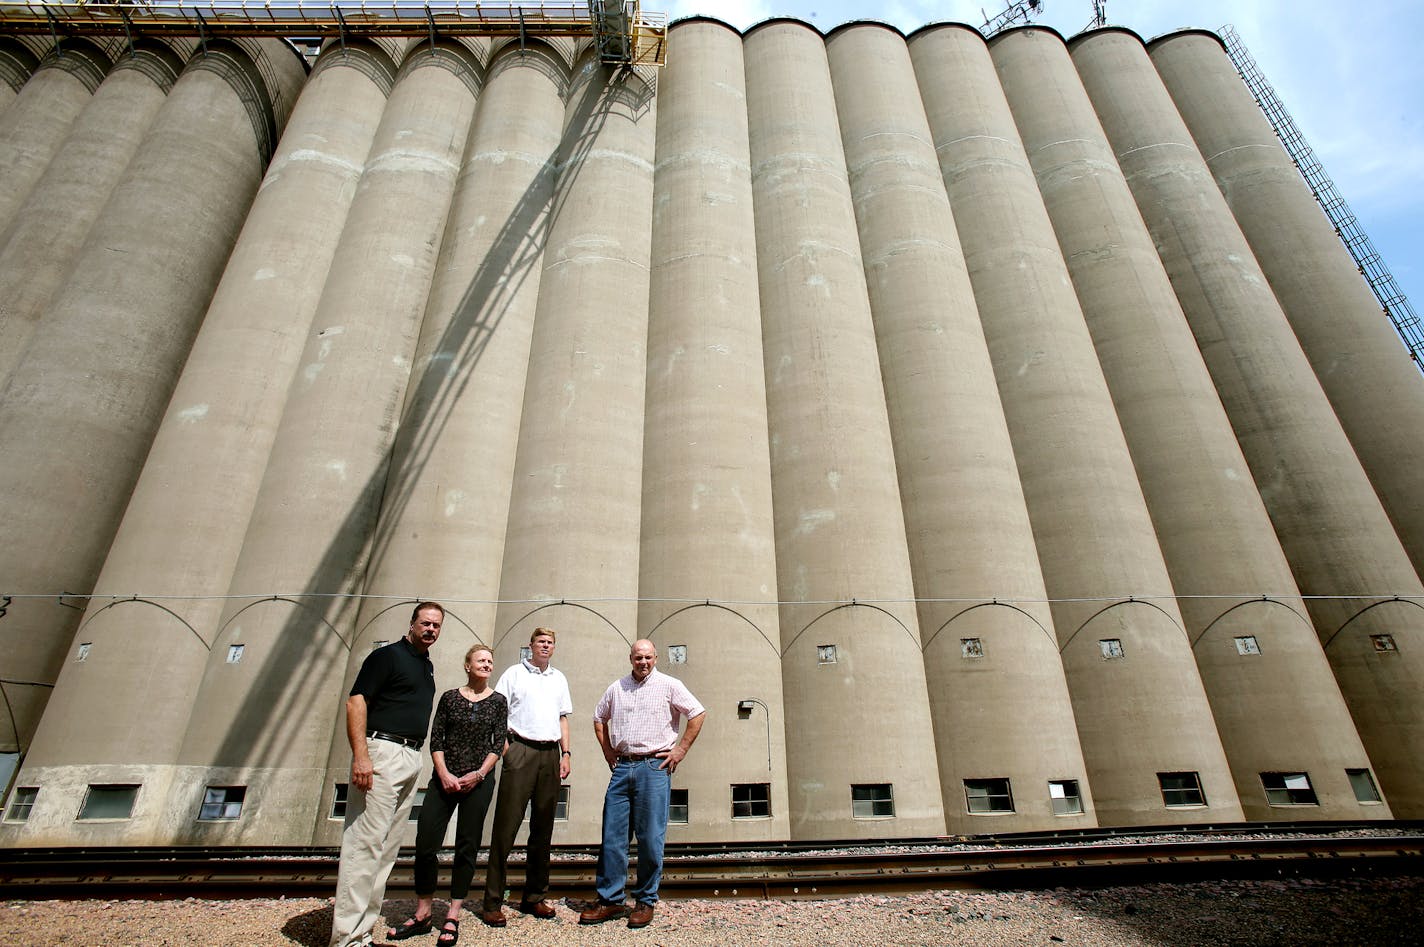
787	870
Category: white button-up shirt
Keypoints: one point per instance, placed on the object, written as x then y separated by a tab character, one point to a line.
537	699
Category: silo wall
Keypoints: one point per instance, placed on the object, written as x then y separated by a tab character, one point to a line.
921	399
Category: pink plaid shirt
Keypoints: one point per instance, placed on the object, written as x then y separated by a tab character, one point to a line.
645	718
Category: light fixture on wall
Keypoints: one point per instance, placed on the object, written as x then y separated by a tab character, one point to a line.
744	712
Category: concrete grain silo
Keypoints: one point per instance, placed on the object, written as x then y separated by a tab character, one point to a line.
840	532
1367	375
1146	729
1186	457
1341	546
79	412
17	63
921	399
50	225
980	614
35	124
708	556
571	551
266	721
446	498
207	460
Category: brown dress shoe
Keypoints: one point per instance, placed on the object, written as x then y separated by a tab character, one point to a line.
543	910
494	918
642	915
602	912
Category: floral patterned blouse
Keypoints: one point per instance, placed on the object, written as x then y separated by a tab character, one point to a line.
467	731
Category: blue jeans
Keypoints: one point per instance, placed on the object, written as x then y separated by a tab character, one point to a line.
639	791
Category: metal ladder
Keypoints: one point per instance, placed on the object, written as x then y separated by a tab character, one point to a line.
1367	259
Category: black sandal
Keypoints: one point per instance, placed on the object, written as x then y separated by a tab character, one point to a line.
413	927
448	937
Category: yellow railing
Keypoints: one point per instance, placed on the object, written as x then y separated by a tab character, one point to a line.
304	18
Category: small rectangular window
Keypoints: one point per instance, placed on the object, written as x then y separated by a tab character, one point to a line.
677	654
971	648
561	808
222	803
872	801
22	802
1381	642
825	654
1364	785
677	806
751	800
376	645
108	802
338	801
1063	793
415	807
82	654
526	653
1288	789
1181	789
988	795
1246	644
1111	648
234	653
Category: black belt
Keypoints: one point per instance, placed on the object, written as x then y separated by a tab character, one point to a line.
395	738
637	757
536	744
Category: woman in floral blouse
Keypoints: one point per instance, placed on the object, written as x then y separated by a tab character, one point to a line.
466	741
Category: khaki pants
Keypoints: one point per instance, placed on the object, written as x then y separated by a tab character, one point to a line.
371	839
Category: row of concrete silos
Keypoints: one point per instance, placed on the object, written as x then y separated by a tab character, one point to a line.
110	262
926	393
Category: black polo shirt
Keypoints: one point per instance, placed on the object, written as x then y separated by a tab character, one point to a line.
398	682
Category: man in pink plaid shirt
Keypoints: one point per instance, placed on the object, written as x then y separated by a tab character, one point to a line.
637	724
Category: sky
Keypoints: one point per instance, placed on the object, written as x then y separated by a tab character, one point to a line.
1348	73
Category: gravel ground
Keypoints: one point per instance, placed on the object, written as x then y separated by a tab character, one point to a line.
1352	912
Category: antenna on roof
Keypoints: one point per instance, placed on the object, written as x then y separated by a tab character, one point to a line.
1023	10
1100	15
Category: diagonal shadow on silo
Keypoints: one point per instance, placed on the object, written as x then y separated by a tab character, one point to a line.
302	652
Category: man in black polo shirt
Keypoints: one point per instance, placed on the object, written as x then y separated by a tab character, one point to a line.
387	717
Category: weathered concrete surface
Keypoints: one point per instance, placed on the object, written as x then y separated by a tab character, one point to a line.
1276	711
839	528
35	124
78	414
1375	389
707	522
1006	712
574	511
1331	526
312	520
50	225
446	503
1145	713
207	460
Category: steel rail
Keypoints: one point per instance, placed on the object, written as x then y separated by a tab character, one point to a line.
711	871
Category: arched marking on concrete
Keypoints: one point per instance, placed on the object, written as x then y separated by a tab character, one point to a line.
994	603
411	603
851	604
10	711
290	601
539	608
1255	601
1109	607
1388	601
144	601
711	604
